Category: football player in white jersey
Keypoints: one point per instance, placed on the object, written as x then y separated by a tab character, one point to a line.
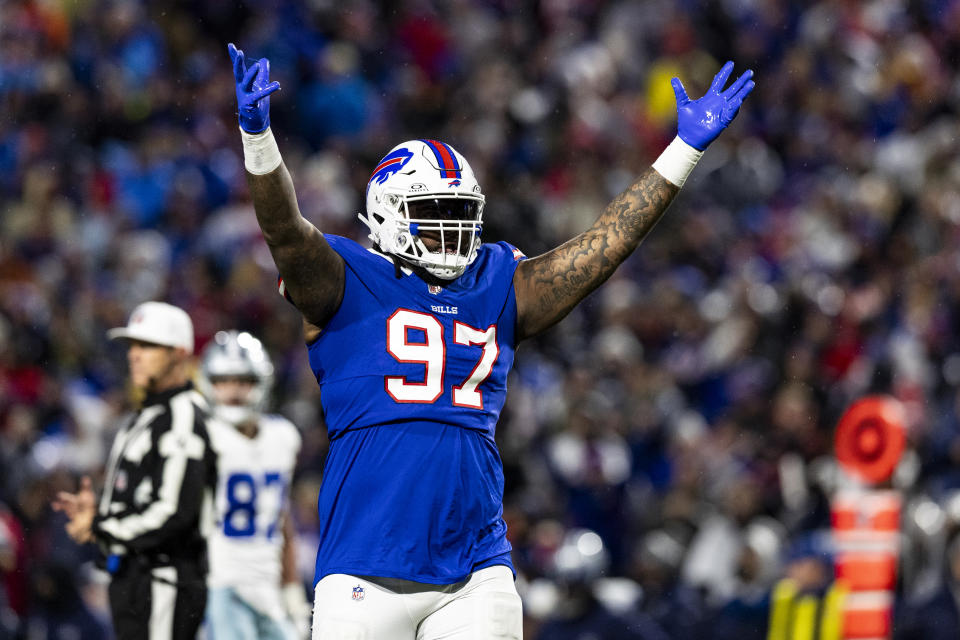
254	590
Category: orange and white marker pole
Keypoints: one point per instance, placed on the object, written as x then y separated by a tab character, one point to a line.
865	519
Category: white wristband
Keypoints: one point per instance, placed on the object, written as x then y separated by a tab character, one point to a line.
260	152
677	161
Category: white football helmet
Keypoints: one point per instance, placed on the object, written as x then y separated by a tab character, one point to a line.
424	205
234	354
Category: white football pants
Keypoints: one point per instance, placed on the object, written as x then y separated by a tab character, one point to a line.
486	606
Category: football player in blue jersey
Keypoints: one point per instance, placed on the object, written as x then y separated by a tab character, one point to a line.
411	343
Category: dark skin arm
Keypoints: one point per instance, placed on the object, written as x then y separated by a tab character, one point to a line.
312	271
550	285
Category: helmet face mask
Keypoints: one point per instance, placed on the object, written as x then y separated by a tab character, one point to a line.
238	357
424	205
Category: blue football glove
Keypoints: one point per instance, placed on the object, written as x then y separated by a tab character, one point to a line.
699	122
253	91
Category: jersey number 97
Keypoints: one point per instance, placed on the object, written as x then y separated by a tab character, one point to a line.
430	351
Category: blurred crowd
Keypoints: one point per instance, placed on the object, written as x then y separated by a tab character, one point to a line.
667	448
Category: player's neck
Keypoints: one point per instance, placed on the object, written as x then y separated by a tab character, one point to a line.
426	276
248	429
401	263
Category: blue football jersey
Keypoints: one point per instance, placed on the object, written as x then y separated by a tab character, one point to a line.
413	378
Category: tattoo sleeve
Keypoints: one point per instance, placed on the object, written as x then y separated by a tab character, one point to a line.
312	271
550	285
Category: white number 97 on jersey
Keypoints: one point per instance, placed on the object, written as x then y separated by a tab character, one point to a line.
246	494
430	351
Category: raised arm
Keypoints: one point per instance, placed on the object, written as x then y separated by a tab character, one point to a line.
550	285
312	272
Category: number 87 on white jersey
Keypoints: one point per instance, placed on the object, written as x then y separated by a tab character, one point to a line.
253	491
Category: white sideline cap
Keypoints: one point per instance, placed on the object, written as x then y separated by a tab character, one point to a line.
159	323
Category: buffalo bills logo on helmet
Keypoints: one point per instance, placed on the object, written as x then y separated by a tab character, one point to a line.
454	183
391	163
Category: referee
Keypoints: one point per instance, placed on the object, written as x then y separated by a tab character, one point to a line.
160	473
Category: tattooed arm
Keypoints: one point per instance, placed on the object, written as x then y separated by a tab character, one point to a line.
549	286
312	272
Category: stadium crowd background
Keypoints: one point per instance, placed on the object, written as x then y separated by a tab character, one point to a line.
684	412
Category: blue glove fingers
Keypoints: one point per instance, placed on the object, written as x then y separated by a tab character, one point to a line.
264	76
246	84
262	80
700	121
263	93
253	88
730	111
721	78
733	104
735	87
745	91
237	57
680	92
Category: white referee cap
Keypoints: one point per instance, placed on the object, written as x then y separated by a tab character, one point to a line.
158	323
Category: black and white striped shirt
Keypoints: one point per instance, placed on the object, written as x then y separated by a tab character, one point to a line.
160	478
